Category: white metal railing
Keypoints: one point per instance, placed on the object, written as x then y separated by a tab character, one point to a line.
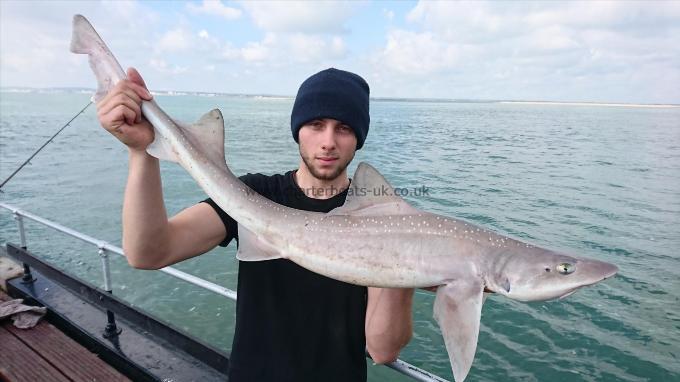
104	248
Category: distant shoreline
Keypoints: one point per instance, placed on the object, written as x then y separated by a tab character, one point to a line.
172	93
591	104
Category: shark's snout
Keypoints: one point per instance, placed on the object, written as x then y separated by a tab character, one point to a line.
612	270
599	270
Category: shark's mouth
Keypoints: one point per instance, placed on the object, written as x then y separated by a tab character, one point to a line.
572	291
568	293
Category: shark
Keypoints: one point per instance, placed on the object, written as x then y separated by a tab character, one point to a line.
376	239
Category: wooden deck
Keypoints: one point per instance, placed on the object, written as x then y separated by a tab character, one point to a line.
44	353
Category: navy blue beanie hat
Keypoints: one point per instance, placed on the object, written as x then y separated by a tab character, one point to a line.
336	94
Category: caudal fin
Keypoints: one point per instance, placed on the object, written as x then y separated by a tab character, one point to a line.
83	35
85	40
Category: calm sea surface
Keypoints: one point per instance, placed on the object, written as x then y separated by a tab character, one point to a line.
600	182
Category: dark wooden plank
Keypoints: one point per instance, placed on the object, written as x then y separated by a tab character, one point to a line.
21	364
60	353
66	355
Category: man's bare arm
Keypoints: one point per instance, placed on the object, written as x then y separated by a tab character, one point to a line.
389	322
150	240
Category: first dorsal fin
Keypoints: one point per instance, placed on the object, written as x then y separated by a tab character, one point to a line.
371	194
206	135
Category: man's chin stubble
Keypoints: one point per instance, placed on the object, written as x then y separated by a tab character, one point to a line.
328	176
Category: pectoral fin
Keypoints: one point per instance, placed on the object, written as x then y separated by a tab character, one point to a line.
458	309
252	248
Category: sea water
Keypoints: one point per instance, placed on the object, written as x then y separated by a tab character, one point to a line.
595	181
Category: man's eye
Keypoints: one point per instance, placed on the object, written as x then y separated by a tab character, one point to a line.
344	128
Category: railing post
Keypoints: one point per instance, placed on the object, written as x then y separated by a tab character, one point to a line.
105	268
111	330
28	276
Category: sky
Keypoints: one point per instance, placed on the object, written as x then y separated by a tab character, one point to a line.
595	51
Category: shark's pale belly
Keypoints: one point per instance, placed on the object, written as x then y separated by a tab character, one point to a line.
370	260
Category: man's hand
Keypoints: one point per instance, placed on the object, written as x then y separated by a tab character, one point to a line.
120	113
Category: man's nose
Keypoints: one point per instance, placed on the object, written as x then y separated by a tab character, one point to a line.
328	137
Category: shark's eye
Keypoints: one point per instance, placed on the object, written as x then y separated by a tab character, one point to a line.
565	268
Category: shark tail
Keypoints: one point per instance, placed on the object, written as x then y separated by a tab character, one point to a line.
85	40
83	35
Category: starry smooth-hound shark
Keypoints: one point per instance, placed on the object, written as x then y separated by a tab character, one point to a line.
375	239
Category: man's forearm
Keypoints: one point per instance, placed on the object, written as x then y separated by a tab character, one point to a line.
144	216
389	322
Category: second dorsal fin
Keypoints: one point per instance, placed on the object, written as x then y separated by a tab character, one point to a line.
206	135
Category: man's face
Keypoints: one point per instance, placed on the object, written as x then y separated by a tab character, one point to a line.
326	147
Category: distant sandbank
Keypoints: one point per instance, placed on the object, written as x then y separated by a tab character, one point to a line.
590	104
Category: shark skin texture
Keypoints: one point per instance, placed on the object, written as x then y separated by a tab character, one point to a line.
375	239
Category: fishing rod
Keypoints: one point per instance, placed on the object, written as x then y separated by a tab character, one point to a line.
44	144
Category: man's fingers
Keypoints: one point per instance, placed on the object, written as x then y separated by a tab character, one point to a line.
131	99
127	113
123	87
124	115
141	91
134	76
124	95
139	84
112	110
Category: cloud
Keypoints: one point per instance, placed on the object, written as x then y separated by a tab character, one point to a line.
389	14
327	17
257	51
574	50
183	40
466	22
314	49
279	50
162	67
35	38
216	8
175	40
417	53
609	51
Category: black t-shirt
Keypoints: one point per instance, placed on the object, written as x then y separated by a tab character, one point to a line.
293	324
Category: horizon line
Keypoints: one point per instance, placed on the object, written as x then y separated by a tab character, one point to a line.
412	99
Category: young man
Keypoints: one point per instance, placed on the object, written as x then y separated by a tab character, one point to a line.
291	324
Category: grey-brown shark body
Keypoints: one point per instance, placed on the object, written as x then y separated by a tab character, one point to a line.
375	239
